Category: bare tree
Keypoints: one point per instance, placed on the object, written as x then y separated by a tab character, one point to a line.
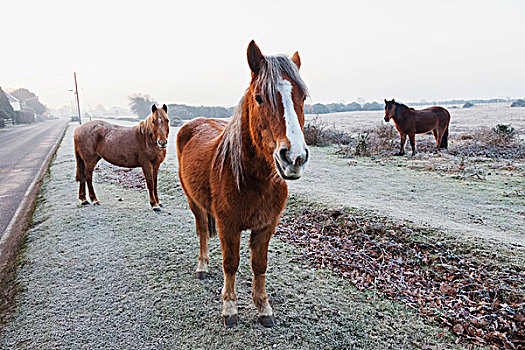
141	104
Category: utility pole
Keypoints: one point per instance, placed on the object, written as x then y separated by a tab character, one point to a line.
78	102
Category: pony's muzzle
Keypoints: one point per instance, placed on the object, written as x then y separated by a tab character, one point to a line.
387	119
162	143
291	166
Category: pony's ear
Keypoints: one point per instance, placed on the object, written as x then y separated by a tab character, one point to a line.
385	101
153	108
393	101
296	59
255	58
165	108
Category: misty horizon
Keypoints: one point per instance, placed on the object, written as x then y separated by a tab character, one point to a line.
191	54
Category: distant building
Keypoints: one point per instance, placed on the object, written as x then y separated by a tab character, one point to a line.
15	103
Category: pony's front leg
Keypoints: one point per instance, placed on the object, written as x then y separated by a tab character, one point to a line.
230	246
155	180
403	137
148	174
201	223
259	241
412	138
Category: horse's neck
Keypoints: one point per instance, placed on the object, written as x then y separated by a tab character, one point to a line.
144	135
402	116
254	161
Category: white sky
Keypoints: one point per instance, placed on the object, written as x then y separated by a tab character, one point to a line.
194	52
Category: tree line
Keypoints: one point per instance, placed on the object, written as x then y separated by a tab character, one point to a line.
141	106
320	108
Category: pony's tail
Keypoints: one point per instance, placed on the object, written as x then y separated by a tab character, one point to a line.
212	229
80	168
444	139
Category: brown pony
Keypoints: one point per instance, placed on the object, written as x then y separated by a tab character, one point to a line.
233	173
143	145
411	122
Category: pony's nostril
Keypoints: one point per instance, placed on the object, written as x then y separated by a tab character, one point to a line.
302	158
284	155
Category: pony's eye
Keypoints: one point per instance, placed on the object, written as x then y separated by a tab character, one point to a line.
259	99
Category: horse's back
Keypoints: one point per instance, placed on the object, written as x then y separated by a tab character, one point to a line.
436	111
203	130
90	130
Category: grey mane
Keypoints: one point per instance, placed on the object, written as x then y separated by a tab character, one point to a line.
271	74
268	79
230	145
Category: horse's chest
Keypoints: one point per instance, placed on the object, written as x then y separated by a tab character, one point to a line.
258	205
267	202
154	156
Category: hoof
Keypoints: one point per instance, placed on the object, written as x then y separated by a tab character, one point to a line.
161	205
157	209
201	275
85	203
267	321
96	203
230	321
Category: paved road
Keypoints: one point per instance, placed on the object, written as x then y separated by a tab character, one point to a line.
22	152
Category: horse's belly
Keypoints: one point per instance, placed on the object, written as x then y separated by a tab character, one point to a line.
425	127
125	160
118	149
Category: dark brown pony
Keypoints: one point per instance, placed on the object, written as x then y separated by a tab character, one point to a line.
411	122
143	146
234	173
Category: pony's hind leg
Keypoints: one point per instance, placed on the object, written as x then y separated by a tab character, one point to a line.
437	136
89	179
230	246
201	223
259	241
81	177
82	192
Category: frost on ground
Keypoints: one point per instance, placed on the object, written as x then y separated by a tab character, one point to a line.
468	208
120	276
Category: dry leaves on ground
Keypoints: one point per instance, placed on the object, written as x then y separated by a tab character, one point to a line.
482	304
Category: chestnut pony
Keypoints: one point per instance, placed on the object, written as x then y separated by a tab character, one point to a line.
411	122
143	146
234	173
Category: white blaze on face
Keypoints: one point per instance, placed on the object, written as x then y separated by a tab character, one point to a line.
293	128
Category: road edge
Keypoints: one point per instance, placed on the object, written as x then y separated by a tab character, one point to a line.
14	235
